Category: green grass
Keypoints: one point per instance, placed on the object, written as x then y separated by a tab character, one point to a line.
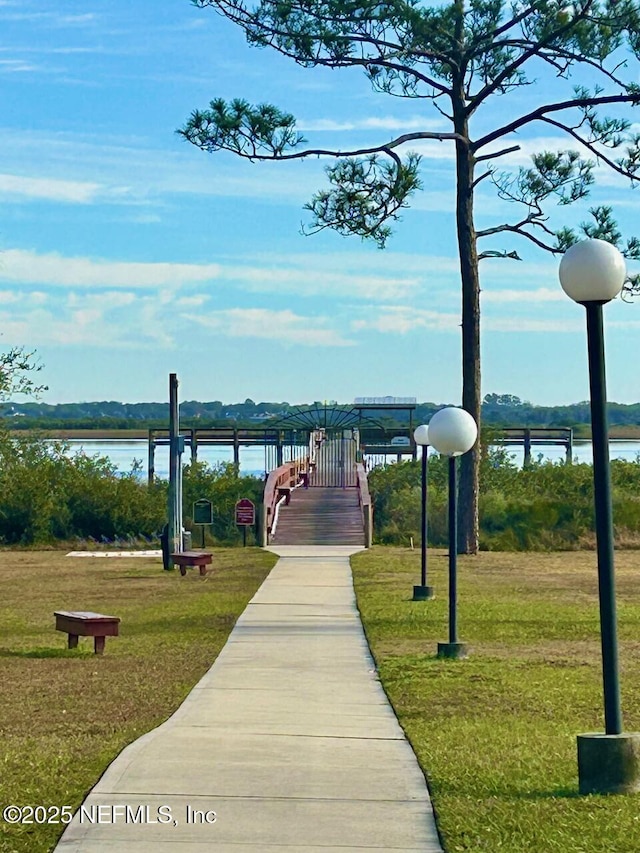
496	734
64	715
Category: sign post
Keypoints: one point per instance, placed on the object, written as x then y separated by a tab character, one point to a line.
202	514
245	516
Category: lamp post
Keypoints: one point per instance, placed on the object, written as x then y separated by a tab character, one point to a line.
423	592
452	432
592	273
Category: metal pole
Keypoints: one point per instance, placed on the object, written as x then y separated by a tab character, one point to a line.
236	452
453	552
527	448
194	447
174	529
604	519
423	530
151	458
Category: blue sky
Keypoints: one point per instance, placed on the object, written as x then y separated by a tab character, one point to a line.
126	254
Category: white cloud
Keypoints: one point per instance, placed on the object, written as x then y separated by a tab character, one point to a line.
108	319
10	297
524	324
283	326
16	66
47	17
104	300
85	18
624	324
78	192
542	294
305	279
405	125
350	276
400	319
192	301
53	269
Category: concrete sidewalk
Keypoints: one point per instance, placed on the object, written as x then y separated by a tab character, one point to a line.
287	744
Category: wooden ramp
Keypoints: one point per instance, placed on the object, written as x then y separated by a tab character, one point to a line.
320	516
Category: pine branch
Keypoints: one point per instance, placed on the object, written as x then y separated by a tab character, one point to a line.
591	147
265	133
539	113
510	69
366	195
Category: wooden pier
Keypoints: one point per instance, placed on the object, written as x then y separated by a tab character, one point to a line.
529	437
234	437
372	442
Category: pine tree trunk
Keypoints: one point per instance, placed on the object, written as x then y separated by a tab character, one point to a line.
468	524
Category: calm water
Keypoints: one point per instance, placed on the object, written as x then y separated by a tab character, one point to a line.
254	461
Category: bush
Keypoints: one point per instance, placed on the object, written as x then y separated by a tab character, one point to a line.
544	506
222	486
46	495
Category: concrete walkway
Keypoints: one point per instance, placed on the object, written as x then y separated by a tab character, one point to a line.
287	745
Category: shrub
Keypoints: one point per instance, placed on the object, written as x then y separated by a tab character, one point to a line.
543	506
46	494
223	487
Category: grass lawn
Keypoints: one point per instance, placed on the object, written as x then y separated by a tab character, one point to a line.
496	733
64	715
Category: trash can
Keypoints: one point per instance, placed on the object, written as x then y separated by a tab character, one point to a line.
186	540
164	544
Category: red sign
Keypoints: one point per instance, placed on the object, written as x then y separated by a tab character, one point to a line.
245	512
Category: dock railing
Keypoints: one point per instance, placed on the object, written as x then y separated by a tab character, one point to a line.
286	476
364	499
529	437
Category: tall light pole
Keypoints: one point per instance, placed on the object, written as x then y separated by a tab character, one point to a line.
423	592
452	432
592	273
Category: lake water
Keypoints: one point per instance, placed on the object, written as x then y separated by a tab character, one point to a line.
254	460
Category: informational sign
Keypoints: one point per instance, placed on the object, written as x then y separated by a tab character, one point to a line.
203	512
245	512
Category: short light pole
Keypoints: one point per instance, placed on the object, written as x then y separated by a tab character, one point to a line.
423	592
592	273
452	432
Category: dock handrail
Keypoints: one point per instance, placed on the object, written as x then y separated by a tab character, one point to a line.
530	436
285	476
364	499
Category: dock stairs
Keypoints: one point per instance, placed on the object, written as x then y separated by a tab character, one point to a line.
320	516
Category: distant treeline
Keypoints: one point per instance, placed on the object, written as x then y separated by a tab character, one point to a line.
497	410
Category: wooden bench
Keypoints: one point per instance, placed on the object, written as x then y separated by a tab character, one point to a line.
81	623
185	559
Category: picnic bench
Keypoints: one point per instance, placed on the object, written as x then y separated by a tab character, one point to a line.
81	623
185	559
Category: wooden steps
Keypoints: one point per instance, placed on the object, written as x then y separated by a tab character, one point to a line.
320	516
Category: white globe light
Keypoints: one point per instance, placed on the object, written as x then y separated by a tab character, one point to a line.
592	271
452	431
421	435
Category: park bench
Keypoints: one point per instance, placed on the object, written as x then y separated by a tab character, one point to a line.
185	559
80	623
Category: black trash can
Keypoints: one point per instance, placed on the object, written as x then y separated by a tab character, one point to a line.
164	544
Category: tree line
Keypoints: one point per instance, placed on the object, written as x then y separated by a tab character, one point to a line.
499	410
